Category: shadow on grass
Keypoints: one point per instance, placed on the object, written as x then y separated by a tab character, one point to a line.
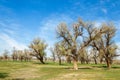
18	79
85	68
3	75
114	67
99	66
48	63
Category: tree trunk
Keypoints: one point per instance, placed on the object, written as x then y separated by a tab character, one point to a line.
95	60
53	59
101	60
41	60
108	63
68	59
75	64
59	61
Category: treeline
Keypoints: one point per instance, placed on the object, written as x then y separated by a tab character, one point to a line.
82	42
17	55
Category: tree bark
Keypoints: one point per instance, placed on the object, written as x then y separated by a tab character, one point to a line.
41	60
68	59
59	61
75	64
95	60
108	63
101	60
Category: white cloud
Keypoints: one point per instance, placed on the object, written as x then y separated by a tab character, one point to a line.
97	24
13	34
9	31
11	42
118	50
117	24
104	10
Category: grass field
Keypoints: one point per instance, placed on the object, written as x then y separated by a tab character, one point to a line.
52	71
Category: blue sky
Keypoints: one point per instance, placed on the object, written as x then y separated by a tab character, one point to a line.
23	20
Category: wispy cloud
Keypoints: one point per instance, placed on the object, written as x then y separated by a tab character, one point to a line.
9	34
9	31
104	10
48	30
49	24
12	42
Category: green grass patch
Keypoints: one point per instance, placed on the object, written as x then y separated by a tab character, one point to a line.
10	70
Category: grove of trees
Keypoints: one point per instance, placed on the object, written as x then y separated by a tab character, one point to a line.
82	42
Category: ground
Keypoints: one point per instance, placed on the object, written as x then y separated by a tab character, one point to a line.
10	70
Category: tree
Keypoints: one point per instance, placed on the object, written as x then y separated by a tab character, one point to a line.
71	37
53	54
1	58
5	54
68	59
58	50
94	54
84	57
14	54
38	47
27	56
105	45
108	46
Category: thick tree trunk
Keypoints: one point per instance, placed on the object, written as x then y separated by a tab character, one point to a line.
41	60
108	63
75	64
82	61
101	60
68	59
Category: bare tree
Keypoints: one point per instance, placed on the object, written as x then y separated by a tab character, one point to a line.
1	58
68	58
70	37
6	54
105	44
14	54
58	49
38	46
83	56
27	56
53	54
108	46
20	55
95	55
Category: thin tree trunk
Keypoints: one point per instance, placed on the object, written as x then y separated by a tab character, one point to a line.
59	61
101	60
95	60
